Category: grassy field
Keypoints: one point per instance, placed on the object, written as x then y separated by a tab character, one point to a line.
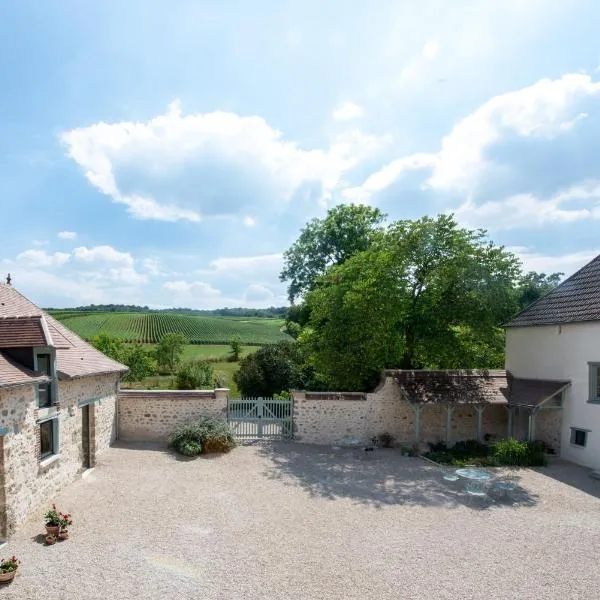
150	327
212	351
165	382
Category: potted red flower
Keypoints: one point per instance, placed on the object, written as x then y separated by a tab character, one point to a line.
65	522
8	569
53	521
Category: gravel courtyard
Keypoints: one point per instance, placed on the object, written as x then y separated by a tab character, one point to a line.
300	522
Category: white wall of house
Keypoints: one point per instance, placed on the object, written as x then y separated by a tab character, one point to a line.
562	352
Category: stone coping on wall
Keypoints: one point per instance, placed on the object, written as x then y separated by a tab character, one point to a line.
332	395
174	394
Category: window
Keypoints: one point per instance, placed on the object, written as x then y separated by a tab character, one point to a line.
47	438
594	382
578	436
44	365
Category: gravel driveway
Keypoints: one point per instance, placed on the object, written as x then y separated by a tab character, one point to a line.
304	522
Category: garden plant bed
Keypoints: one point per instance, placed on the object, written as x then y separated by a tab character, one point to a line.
499	454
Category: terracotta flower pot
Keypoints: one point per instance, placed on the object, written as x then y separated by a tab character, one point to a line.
50	540
63	535
52	529
8	576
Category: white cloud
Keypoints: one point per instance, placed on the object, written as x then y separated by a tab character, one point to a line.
152	266
383	178
243	265
195	288
99	254
40	258
544	110
177	167
543	263
249	221
526	210
258	293
417	65
40	242
67	235
347	111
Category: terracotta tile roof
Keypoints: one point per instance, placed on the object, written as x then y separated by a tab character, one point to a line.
13	374
575	300
74	357
23	332
13	304
473	387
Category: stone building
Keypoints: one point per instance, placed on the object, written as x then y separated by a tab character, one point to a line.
58	407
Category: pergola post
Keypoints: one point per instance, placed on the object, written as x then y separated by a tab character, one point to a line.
510	422
417	408
480	410
449	411
531	432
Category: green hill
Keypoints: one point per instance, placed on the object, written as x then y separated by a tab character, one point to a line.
150	327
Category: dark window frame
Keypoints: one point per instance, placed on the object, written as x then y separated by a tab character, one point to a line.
50	427
579	437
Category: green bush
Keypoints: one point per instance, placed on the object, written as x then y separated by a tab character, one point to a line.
203	436
520	454
195	375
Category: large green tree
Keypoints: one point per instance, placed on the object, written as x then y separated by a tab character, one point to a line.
427	294
346	230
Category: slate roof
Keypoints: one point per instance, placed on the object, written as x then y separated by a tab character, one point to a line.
575	300
74	356
473	387
13	374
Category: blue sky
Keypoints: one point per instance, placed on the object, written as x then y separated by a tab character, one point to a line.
167	153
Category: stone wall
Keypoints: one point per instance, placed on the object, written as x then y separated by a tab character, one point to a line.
152	415
30	482
548	427
324	418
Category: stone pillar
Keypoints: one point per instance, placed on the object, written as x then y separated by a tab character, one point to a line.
449	411
510	422
480	408
531	431
221	396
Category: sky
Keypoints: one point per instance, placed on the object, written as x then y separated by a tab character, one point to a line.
167	153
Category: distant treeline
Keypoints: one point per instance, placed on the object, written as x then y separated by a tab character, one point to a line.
272	311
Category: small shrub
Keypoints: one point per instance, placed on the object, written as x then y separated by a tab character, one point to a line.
194	375
386	440
512	453
470	448
203	436
437	447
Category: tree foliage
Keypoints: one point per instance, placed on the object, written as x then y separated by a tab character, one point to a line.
170	350
346	230
236	349
427	294
533	286
137	357
271	370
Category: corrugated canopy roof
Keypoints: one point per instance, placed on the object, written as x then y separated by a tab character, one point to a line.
474	387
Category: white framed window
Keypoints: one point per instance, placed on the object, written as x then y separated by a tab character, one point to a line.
48	438
42	363
579	436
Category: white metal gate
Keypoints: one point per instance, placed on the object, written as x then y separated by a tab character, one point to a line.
260	418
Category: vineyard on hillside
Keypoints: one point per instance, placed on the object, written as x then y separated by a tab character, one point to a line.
150	327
